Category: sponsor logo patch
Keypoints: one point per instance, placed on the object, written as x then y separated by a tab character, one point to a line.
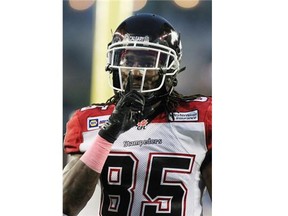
93	123
96	122
185	116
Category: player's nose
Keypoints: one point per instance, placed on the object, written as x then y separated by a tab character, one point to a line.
137	73
137	77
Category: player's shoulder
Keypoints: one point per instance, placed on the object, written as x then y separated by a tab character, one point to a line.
192	109
91	117
98	108
93	111
202	99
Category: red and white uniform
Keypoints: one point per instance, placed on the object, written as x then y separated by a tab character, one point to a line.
151	169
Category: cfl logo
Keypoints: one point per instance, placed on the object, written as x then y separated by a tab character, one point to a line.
142	124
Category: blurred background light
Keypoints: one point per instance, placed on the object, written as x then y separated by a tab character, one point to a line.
109	14
139	4
81	4
187	3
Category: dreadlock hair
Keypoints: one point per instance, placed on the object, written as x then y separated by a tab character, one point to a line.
112	100
169	103
173	100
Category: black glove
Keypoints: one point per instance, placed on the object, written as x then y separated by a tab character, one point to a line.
128	111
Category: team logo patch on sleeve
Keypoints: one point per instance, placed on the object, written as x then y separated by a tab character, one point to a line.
96	122
185	116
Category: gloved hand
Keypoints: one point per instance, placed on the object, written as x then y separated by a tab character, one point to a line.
128	111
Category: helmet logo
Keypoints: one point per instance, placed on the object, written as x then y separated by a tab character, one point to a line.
174	37
128	37
142	124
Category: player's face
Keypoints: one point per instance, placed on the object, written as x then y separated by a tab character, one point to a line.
138	63
148	82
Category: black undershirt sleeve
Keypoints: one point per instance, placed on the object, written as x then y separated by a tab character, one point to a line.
207	160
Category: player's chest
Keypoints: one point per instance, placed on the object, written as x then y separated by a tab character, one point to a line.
160	146
186	138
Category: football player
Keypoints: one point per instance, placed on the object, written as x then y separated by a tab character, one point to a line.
149	147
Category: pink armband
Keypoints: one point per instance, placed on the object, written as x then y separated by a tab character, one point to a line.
97	154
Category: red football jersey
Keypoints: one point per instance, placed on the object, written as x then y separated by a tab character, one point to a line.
152	168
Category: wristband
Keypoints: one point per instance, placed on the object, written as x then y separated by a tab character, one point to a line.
97	154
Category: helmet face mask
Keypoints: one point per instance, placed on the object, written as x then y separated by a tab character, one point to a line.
147	47
148	63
